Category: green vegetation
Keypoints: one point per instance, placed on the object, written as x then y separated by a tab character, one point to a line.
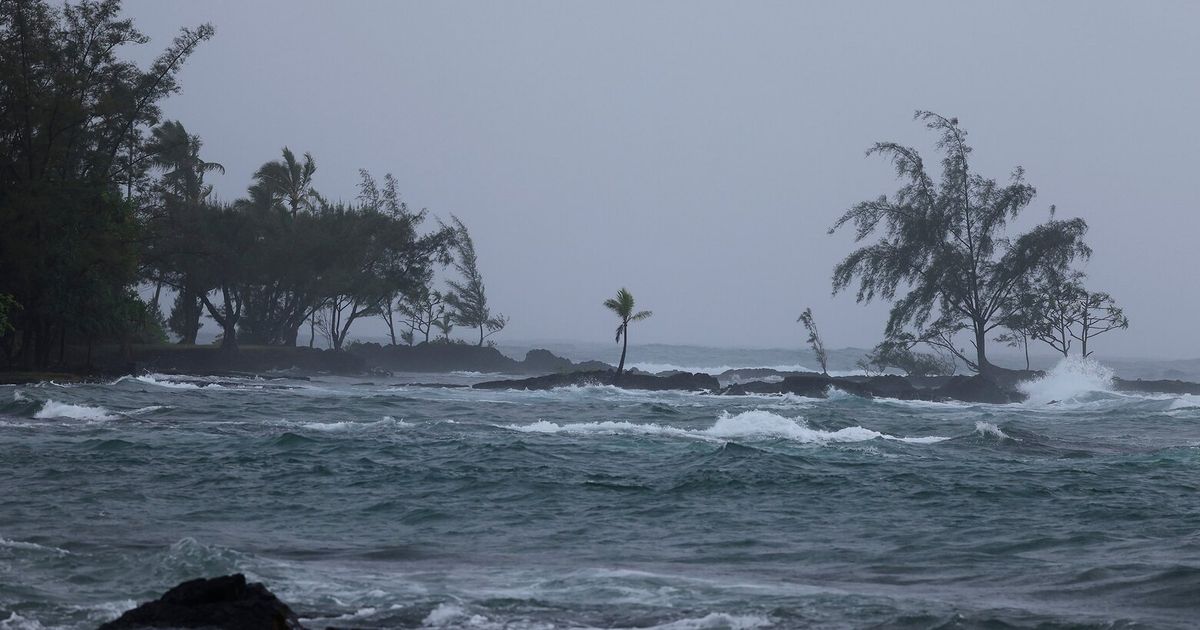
467	298
1058	310
945	259
75	182
814	340
99	197
623	306
898	356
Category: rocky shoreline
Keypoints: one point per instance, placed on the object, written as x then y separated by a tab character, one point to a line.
541	369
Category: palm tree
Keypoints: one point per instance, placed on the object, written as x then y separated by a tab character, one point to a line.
177	153
622	305
288	182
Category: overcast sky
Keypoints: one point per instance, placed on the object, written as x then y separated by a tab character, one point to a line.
697	153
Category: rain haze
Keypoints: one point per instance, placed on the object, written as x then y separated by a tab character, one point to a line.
697	153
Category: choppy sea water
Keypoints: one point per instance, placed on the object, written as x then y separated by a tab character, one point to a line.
386	504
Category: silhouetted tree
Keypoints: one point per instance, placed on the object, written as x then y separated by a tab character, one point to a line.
623	306
814	340
944	245
467	298
73	164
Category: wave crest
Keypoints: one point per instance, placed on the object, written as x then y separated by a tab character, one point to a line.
54	409
753	424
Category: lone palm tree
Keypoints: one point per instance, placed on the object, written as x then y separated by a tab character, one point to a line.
622	305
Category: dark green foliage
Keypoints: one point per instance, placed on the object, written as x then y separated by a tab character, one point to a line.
943	256
467	298
73	167
1056	308
623	306
814	340
892	355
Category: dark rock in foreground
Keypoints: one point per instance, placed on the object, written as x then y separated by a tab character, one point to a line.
226	602
678	381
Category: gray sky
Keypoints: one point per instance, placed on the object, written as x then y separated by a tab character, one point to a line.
696	153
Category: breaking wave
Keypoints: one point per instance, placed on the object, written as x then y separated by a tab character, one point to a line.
54	409
1072	380
754	424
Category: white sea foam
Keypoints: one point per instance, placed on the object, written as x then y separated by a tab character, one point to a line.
449	614
28	546
162	380
1072	380
715	621
145	410
55	409
19	397
987	428
342	426
754	424
17	622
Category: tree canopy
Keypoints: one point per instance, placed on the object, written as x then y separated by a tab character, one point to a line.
942	253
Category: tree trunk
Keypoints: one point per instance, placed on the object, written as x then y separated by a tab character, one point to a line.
981	350
481	335
624	348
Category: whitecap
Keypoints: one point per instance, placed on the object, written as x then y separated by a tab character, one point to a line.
336	427
55	409
28	546
17	622
715	621
449	614
987	428
754	424
162	380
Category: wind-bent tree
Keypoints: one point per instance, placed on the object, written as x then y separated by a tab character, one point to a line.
814	339
891	355
420	310
623	306
1098	314
287	182
467	298
943	257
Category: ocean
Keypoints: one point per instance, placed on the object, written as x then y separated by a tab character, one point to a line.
376	502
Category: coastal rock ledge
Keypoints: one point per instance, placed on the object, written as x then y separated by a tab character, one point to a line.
227	602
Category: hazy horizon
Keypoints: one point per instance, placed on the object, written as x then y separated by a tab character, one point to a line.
697	153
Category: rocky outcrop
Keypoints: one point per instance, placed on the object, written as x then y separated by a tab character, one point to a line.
962	388
248	359
1157	387
461	357
977	389
677	381
227	602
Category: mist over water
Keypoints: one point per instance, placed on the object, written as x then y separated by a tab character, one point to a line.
383	504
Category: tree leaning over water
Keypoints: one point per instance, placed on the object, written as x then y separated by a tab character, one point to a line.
944	259
623	306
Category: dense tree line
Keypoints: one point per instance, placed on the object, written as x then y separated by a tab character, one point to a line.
944	258
99	196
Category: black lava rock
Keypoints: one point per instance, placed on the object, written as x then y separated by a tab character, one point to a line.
226	602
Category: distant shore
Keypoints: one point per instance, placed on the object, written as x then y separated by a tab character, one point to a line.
541	369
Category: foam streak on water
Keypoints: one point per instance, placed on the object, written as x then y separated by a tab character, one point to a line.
390	505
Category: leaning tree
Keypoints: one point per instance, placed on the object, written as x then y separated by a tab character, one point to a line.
943	255
623	306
